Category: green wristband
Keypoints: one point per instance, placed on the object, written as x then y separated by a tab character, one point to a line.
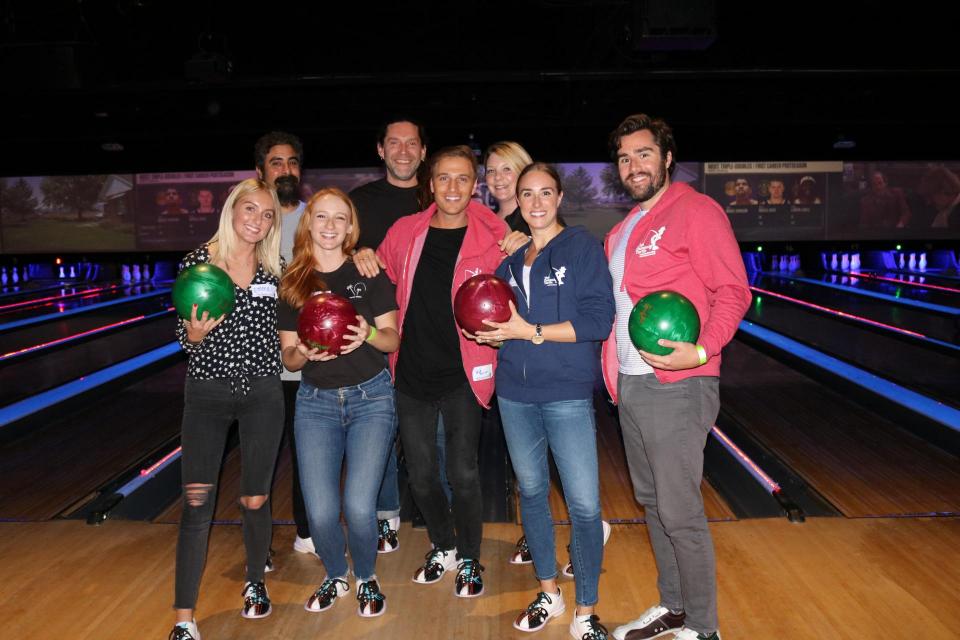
702	353
373	333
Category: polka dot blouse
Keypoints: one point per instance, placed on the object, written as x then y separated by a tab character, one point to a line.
246	344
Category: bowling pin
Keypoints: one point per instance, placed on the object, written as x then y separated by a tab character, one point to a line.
833	263
903	261
145	273
62	272
912	264
823	259
774	261
796	263
125	273
136	273
16	275
73	271
922	264
26	274
3	277
855	262
783	262
845	262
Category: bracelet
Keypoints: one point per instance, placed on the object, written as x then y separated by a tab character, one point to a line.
373	333
702	353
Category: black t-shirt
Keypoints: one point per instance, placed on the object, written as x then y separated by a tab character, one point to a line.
371	297
430	363
516	222
379	205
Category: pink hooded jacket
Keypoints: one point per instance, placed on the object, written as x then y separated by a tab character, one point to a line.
400	252
683	244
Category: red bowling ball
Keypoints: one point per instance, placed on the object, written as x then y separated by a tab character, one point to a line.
323	322
482	297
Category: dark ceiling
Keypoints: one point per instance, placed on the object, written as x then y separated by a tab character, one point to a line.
190	85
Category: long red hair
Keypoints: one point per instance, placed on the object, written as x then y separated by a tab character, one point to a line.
300	279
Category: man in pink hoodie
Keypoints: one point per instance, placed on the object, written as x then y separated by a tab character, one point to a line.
428	255
680	240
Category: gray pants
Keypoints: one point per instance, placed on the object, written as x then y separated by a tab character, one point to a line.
665	428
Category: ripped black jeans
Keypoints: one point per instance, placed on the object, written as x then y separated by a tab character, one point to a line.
210	407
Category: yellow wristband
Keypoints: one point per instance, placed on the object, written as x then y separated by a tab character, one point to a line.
373	333
702	353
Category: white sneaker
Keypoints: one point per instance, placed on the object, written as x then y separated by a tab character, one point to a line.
568	568
438	562
327	594
185	631
304	545
539	612
587	628
687	633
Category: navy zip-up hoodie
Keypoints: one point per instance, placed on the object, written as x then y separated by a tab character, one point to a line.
569	280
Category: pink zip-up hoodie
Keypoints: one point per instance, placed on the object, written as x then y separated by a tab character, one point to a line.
480	253
683	244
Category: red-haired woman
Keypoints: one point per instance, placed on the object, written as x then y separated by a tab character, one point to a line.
345	404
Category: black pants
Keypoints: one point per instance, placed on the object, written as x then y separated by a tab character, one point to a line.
463	528
210	408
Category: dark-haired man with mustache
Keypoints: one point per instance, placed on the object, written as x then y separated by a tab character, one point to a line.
278	157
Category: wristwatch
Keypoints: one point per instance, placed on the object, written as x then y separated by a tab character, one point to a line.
538	336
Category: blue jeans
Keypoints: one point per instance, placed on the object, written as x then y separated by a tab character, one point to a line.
568	428
357	422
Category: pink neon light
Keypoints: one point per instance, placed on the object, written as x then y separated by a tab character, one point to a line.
156	465
746	459
60	297
76	335
842	314
899	281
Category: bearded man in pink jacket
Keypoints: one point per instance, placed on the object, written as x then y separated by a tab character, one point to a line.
680	240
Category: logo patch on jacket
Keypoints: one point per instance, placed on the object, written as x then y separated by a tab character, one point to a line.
559	273
648	246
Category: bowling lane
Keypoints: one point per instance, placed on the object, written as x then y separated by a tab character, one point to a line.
863	463
39	370
59	463
930	323
56	328
905	290
68	302
925	367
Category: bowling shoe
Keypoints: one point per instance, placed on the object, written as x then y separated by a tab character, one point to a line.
521	555
469	579
568	568
690	634
655	622
185	631
544	607
587	628
438	562
387	538
372	602
256	602
326	594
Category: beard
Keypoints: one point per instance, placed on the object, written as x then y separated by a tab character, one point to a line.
403	173
654	184
288	190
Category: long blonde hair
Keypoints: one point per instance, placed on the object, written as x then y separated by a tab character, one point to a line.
300	279
224	241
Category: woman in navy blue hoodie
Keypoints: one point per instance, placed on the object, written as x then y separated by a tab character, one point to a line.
547	368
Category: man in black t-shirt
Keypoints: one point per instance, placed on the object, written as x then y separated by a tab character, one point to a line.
402	146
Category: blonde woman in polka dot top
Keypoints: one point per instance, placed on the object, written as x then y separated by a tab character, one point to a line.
233	374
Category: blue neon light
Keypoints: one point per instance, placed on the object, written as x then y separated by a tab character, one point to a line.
140	480
41	401
945	415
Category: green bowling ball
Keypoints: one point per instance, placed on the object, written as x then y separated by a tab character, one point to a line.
662	314
207	286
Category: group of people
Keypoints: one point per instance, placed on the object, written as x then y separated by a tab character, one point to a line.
407	368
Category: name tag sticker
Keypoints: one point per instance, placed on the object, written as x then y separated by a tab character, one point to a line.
483	372
264	290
